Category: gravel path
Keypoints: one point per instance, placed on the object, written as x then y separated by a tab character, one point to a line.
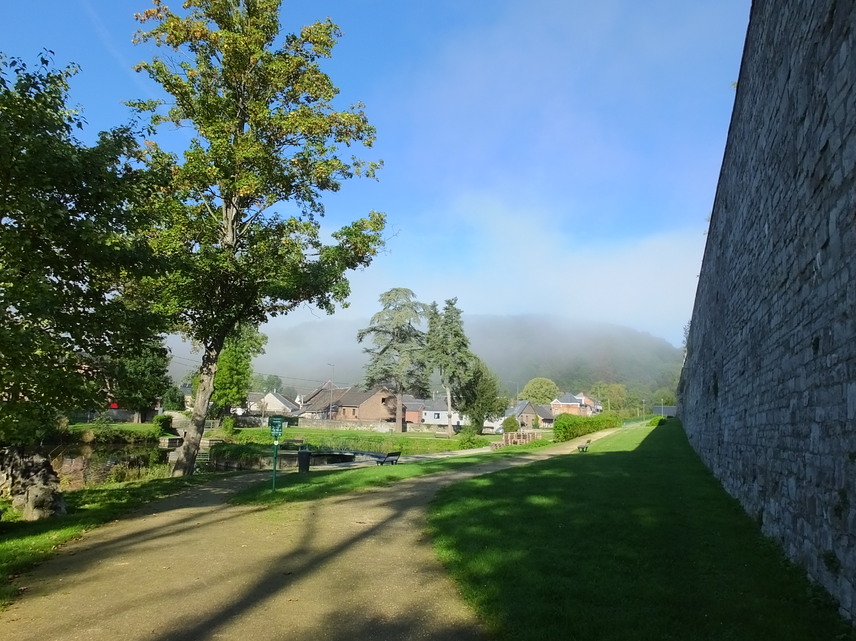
193	567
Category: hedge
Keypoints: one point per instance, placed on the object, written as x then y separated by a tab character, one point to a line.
568	426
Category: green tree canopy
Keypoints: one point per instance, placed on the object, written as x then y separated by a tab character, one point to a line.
397	358
70	245
540	391
480	398
266	132
173	399
235	370
448	351
138	378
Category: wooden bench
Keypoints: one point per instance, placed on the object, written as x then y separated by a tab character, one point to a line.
584	447
391	458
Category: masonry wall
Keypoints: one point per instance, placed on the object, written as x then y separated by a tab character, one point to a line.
768	390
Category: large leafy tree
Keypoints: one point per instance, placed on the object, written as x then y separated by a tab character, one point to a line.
480	398
397	358
266	133
539	391
138	378
234	368
69	245
448	351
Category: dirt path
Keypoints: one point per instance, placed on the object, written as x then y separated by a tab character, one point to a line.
193	567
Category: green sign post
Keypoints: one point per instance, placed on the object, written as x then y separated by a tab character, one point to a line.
275	424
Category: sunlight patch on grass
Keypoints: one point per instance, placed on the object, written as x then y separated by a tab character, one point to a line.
633	540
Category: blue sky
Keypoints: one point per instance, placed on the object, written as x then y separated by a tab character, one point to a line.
541	156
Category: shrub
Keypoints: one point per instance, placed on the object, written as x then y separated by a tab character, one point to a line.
657	420
469	440
568	426
163	422
536	423
510	424
228	426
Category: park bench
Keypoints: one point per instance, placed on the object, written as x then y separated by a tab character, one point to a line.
584	447
391	458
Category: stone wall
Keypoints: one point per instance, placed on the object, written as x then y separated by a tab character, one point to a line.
768	391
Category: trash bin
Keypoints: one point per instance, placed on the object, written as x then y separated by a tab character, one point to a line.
303	457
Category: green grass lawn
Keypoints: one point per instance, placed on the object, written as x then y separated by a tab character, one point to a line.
320	484
407	442
633	540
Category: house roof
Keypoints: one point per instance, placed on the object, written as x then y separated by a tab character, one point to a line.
568	399
354	396
326	387
282	400
321	399
520	407
544	412
412	403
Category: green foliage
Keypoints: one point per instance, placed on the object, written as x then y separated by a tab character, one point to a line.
228	425
173	399
397	358
448	351
510	424
656	420
163	422
265	132
139	377
108	432
568	426
479	398
70	250
469	440
536	423
234	367
540	391
122	472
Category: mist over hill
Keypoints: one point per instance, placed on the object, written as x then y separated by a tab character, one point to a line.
574	354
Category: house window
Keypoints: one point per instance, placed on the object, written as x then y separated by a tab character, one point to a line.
436	414
354	411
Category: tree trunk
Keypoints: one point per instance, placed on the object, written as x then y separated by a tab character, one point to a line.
449	428
399	422
185	462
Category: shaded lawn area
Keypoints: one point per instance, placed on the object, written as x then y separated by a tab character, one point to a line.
633	540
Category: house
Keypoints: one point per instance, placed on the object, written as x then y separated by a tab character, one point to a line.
545	416
413	408
348	404
321	402
435	412
269	404
365	405
595	404
525	412
571	404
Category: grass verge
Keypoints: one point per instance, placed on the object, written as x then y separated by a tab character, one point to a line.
25	543
634	540
293	487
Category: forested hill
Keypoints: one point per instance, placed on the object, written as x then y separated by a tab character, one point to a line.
573	354
517	348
